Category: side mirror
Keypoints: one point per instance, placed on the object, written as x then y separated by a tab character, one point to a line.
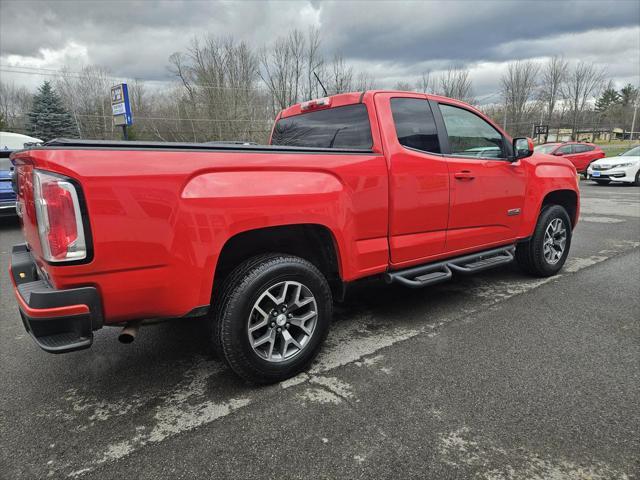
522	148
558	154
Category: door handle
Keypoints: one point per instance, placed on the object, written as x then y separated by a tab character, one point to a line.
464	175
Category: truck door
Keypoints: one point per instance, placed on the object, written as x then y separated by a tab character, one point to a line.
487	190
418	178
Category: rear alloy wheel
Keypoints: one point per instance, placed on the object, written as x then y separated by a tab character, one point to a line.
282	321
547	250
272	316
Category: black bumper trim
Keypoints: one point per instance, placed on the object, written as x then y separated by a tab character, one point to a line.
56	334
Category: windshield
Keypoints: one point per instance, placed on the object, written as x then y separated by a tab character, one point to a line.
634	152
547	148
340	127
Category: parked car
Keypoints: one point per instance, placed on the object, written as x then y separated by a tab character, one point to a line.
579	153
7	195
9	142
15	141
257	240
623	168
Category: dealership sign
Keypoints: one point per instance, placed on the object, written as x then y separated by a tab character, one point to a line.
120	106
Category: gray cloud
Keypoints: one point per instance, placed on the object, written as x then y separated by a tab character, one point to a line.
464	31
395	40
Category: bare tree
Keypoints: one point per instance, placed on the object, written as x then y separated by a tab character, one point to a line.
86	96
314	65
341	76
219	100
426	83
583	82
281	68
15	102
553	76
455	83
403	86
364	81
518	85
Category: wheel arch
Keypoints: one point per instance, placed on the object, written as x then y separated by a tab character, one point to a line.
568	199
313	242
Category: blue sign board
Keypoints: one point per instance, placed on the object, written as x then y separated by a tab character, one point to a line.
120	106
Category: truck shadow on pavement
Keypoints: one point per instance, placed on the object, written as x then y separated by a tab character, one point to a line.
162	349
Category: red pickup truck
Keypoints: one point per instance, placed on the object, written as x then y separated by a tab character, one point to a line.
259	240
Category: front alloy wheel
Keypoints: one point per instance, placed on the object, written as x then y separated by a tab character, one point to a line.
555	240
546	251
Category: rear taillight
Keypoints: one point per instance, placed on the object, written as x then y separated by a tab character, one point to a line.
59	218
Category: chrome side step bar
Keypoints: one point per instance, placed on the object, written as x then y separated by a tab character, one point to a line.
432	273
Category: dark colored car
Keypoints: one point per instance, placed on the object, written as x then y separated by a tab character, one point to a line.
579	153
7	195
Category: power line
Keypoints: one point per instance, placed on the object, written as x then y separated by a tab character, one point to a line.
149	118
82	75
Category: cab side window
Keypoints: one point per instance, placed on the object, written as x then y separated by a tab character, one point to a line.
470	135
415	125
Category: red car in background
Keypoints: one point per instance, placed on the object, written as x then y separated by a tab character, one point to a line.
579	153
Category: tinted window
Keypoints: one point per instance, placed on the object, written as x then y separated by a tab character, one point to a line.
547	148
470	135
565	149
415	125
340	127
582	148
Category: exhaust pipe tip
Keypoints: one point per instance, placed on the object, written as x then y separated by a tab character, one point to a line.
129	332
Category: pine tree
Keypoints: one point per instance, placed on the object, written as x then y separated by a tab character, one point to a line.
628	95
609	98
48	117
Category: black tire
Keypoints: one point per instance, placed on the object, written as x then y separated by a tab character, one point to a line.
603	182
530	255
637	180
235	302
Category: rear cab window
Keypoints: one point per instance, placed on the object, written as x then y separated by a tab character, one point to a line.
338	127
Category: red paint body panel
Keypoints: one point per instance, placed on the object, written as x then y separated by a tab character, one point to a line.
158	219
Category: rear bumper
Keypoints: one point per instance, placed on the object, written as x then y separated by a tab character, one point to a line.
59	321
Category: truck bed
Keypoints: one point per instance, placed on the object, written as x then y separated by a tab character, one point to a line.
70	143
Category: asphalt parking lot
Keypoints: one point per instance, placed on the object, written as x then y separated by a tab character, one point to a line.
495	376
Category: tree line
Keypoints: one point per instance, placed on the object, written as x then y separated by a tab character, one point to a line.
225	90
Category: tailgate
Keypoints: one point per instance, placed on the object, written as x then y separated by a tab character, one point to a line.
25	205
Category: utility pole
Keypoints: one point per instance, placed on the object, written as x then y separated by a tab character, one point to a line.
504	120
633	120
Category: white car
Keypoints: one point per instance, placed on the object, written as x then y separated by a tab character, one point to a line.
623	168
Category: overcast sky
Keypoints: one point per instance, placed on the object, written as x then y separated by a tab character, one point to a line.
393	41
